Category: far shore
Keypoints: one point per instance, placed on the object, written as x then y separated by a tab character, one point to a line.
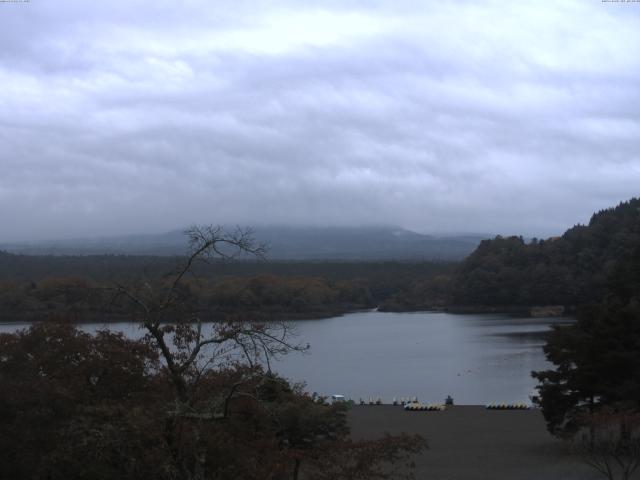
533	311
473	443
9	318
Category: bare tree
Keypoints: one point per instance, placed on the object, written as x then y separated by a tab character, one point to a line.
176	328
220	379
190	347
610	443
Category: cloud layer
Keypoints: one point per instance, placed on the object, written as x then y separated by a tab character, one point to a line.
498	117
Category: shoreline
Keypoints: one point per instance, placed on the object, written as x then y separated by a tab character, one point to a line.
528	311
517	312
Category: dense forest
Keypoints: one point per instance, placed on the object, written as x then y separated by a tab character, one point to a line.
78	287
591	395
262	297
597	358
509	272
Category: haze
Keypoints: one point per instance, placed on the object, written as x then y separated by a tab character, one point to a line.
130	117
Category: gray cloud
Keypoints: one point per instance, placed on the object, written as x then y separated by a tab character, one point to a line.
500	117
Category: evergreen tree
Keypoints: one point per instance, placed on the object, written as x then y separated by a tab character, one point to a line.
597	359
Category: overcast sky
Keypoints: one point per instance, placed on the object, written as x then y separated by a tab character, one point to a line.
467	116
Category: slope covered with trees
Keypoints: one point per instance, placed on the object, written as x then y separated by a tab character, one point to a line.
592	394
567	270
597	359
511	274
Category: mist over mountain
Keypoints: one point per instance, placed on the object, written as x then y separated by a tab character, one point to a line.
283	243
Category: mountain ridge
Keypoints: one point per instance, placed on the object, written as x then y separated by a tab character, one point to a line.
284	243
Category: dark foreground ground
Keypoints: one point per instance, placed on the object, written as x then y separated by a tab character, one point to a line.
472	443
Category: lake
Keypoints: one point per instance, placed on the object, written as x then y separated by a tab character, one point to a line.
476	359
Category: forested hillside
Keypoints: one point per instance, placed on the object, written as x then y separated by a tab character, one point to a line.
506	272
569	270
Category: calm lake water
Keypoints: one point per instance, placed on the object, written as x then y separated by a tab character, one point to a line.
476	359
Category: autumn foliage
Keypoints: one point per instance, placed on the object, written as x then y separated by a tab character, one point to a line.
83	406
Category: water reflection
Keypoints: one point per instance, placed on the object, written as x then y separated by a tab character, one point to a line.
474	358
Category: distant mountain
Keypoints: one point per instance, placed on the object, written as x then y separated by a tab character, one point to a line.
362	243
284	243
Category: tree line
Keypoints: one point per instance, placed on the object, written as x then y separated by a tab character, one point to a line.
265	296
40	287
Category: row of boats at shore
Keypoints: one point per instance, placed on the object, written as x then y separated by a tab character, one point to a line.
378	400
412	404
